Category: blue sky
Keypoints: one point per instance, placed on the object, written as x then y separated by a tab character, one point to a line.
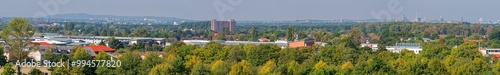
471	10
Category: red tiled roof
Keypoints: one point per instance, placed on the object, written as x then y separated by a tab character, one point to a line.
100	47
40	43
375	37
496	55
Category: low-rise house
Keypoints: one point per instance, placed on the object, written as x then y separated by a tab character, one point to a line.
124	40
372	46
196	42
369	38
489	51
423	39
264	40
40	43
427	40
301	43
414	47
93	50
37	55
321	43
282	43
98	48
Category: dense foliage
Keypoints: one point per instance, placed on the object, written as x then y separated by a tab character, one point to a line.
446	55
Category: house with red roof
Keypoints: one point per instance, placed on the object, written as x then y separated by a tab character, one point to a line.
98	48
40	43
264	40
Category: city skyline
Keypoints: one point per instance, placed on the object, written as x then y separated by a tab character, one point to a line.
262	9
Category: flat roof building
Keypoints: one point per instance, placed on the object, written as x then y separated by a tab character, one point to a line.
302	43
414	47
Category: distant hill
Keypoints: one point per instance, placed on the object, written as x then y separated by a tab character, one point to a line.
102	17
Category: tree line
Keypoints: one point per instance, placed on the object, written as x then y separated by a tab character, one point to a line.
447	55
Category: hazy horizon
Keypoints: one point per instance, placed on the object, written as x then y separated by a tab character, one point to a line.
262	9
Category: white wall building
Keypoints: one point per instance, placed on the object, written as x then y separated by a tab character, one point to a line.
414	47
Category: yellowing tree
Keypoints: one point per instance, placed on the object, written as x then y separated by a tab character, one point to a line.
267	68
496	68
100	69
321	68
347	65
346	68
193	61
294	68
242	68
219	67
150	59
163	69
81	54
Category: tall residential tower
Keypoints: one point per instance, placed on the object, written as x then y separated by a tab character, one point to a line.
220	26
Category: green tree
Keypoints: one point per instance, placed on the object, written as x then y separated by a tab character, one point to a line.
61	70
221	37
220	67
49	55
130	61
163	69
290	33
465	66
242	68
200	69
433	50
81	54
436	67
355	33
14	35
449	36
150	59
177	63
115	43
294	68
337	55
207	52
495	35
8	70
192	62
496	68
222	54
466	50
101	69
267	68
184	50
69	26
287	55
3	58
35	71
257	55
141	32
235	54
322	68
102	43
254	36
474	36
